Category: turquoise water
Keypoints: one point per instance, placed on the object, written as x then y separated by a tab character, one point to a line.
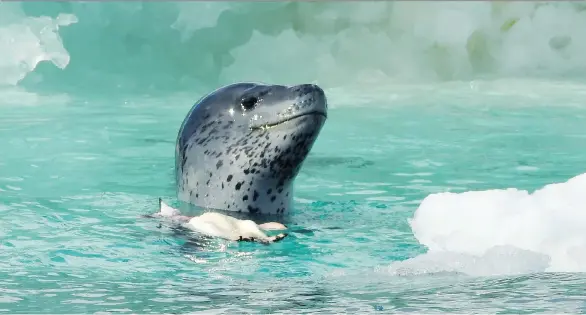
88	149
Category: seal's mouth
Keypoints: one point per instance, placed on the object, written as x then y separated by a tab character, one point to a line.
269	125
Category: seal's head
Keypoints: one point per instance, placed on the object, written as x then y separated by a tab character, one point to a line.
241	146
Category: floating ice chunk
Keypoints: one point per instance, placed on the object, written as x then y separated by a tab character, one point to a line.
546	225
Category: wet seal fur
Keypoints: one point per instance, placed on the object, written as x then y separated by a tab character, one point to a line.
241	147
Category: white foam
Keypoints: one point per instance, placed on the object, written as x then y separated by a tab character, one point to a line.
502	231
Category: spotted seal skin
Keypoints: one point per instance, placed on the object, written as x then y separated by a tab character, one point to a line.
240	147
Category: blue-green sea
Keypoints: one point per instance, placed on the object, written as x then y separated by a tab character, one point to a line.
447	177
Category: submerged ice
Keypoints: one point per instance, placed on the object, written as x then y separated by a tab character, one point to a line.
166	44
26	41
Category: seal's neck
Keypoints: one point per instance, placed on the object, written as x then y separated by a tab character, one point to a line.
240	194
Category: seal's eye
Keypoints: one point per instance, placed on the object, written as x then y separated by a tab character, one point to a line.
249	102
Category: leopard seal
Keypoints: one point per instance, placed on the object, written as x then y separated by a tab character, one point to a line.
240	148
